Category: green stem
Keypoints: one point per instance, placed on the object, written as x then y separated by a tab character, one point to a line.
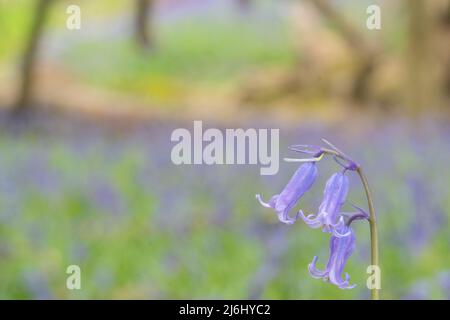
374	252
375	293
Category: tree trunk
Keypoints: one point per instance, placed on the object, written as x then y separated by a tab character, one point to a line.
446	31
23	102
366	54
418	71
143	25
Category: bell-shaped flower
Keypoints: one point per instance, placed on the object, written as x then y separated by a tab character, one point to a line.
301	182
341	249
328	217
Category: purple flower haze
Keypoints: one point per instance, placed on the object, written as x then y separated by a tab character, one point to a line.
328	217
301	182
341	249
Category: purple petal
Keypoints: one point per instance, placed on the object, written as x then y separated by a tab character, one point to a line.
335	194
301	182
341	249
284	217
339	226
316	273
262	202
314	223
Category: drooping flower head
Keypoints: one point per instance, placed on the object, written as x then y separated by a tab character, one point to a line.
334	197
341	249
329	216
300	183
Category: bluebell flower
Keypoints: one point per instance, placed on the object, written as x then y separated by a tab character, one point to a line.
300	183
341	249
328	218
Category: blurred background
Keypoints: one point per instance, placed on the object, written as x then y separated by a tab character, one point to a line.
86	117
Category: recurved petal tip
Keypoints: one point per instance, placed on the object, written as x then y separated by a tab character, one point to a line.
314	272
343	231
311	220
262	202
346	284
284	218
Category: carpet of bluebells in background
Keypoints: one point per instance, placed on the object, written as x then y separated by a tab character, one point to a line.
141	227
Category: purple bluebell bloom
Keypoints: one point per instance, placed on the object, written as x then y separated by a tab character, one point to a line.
341	249
301	182
328	217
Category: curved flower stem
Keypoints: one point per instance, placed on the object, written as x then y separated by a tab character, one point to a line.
375	293
375	261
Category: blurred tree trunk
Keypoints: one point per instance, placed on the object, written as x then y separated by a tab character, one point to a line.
418	47
428	56
23	102
143	23
354	39
445	22
365	53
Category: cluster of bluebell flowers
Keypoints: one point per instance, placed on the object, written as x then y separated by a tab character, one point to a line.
329	217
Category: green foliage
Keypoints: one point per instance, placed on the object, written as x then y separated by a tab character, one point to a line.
140	227
188	55
14	23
